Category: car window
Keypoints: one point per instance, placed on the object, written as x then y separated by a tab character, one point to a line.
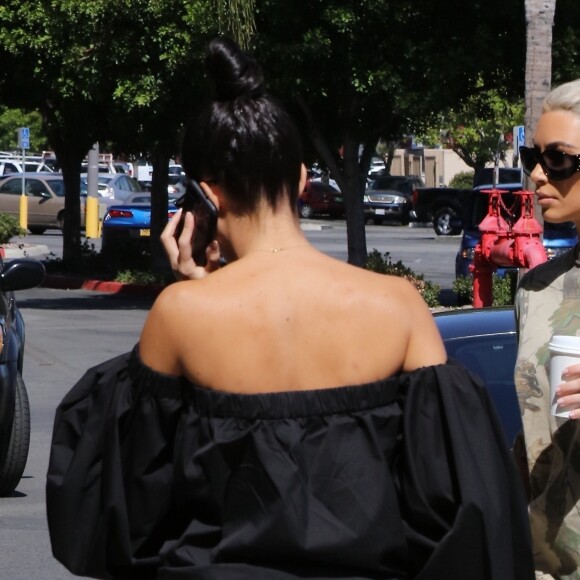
391	182
133	185
36	188
491	358
57	186
12	187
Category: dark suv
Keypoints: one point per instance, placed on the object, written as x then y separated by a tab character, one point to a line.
14	407
390	197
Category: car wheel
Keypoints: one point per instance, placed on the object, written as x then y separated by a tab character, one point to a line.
306	211
36	231
443	220
12	467
60	220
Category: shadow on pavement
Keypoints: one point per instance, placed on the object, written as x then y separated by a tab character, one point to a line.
88	301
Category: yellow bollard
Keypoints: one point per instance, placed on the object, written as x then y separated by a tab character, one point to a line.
92	217
24	211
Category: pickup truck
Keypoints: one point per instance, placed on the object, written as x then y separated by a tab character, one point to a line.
443	206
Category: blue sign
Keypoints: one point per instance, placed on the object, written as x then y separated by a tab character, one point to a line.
24	138
519	138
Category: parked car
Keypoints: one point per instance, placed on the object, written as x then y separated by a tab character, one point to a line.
129	223
319	198
175	185
484	340
118	186
123	167
45	193
557	238
15	275
390	197
9	165
442	206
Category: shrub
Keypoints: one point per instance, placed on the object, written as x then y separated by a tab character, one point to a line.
503	289
9	227
462	180
384	265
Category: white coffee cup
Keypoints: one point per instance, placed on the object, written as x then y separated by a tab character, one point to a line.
565	351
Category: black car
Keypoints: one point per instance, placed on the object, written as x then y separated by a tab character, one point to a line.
14	406
390	197
484	340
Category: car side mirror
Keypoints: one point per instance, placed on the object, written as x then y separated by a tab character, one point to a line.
22	274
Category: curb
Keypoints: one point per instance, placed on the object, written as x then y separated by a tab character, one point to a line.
61	282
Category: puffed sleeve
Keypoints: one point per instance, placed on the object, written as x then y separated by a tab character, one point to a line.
461	498
109	479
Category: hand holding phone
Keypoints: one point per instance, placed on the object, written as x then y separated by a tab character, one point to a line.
205	213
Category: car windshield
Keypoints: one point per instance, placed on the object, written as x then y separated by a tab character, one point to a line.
403	184
104	179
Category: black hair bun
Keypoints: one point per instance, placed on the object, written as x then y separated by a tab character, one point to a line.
234	73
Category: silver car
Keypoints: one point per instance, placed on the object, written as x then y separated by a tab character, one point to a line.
118	186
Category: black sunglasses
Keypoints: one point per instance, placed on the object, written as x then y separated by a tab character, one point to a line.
557	165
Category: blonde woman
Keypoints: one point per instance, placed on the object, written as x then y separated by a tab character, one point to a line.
548	304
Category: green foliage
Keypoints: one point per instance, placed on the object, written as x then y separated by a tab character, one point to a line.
147	278
129	264
502	289
478	129
384	265
462	180
11	120
9	228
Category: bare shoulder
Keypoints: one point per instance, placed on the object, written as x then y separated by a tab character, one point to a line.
403	310
162	334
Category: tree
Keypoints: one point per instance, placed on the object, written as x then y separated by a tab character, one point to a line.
54	63
356	72
85	66
479	128
11	120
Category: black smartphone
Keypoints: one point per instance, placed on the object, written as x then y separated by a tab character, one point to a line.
205	213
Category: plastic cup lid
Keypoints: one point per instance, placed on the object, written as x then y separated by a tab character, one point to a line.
565	344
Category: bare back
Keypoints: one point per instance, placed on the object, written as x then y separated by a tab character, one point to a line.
291	320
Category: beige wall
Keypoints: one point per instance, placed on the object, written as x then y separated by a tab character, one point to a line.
436	166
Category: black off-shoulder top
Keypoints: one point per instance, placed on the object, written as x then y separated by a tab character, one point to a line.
151	476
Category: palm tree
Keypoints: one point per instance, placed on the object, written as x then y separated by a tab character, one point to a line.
236	18
539	23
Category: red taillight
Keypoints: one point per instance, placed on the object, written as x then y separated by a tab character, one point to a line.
170	214
415	195
120	213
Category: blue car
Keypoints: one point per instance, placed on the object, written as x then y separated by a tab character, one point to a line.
557	238
484	340
129	223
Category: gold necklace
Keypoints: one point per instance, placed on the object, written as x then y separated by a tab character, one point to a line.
277	249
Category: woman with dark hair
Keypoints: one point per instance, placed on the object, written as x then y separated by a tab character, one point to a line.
285	416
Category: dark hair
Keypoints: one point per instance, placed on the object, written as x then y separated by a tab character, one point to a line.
243	139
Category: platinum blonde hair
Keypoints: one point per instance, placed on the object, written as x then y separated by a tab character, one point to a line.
565	97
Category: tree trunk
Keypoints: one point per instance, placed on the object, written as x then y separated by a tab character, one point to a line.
159	201
350	184
539	23
70	163
355	217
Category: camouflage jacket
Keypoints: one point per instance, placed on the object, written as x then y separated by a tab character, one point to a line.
548	303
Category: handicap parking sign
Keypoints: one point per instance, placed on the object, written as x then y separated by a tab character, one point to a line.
24	138
519	137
